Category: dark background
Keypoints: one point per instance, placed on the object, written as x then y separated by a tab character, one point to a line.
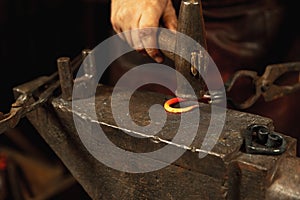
33	34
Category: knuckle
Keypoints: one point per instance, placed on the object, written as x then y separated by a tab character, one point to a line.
151	51
146	33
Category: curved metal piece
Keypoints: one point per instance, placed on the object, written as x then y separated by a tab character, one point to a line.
175	100
241	73
272	91
252	99
260	140
265	85
10	120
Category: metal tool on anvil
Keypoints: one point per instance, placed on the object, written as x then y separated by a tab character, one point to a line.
35	93
227	172
264	85
191	23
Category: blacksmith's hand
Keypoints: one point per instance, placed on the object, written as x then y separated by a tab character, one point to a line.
142	14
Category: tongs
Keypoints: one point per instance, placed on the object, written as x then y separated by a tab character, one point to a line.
31	95
265	85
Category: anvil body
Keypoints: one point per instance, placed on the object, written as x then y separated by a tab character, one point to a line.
226	172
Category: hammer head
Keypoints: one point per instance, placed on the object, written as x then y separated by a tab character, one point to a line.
191	23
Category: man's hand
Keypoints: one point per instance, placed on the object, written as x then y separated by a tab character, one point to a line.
132	14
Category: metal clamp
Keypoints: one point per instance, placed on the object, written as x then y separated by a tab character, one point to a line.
260	140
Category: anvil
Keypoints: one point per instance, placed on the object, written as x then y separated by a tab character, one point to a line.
226	172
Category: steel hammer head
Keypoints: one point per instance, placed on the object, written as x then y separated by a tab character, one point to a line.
191	23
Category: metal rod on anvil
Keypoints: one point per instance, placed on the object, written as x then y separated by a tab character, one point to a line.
65	77
190	23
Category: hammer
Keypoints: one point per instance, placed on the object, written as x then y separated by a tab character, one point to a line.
190	23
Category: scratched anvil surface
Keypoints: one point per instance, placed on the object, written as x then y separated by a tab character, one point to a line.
225	173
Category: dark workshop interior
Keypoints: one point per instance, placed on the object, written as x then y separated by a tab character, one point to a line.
34	33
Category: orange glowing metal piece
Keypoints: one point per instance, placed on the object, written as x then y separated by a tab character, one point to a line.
175	100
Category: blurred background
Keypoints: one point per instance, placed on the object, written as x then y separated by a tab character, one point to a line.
33	34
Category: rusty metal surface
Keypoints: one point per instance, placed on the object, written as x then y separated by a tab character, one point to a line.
65	77
225	173
287	181
31	95
265	85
